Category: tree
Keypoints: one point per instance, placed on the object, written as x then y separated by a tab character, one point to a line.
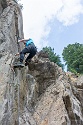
73	56
52	56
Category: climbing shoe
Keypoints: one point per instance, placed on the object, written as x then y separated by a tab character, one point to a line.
19	64
26	63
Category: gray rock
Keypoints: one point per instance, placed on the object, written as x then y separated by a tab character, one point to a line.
39	94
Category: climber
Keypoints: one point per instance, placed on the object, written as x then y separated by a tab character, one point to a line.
29	48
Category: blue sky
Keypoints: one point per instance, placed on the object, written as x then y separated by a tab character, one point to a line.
60	36
54	23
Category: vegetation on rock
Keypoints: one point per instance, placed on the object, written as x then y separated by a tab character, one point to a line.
52	56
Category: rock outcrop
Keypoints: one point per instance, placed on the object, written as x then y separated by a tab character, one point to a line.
39	94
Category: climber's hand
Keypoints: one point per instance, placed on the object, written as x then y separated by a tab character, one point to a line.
22	40
19	41
17	54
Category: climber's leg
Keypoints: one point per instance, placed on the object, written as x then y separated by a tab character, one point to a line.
22	54
30	56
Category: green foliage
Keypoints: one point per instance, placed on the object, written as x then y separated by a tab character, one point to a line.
73	71
52	56
73	56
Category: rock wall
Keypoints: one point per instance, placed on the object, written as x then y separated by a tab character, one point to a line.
39	94
59	94
10	29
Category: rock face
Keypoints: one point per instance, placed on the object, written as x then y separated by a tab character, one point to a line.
10	30
39	94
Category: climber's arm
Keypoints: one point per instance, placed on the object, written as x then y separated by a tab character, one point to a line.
23	40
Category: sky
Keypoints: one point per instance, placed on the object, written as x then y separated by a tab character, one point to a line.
54	23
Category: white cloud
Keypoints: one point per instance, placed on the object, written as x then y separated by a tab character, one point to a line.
69	12
38	13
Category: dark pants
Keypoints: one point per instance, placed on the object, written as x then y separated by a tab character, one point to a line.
31	49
